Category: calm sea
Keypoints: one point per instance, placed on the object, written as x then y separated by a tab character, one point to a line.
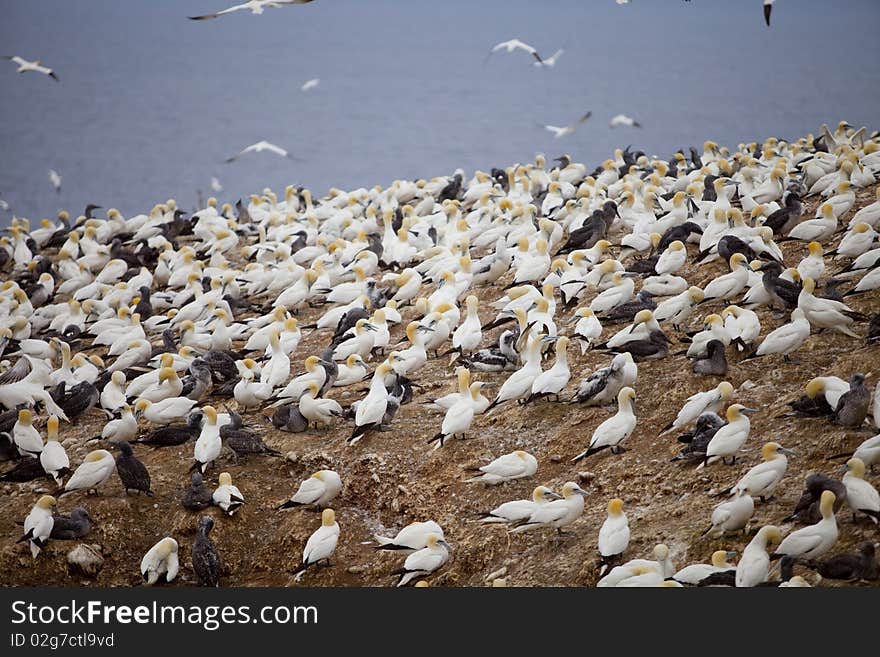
150	103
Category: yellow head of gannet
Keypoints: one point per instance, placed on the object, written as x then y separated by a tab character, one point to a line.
328	517
615	507
46	502
642	316
735	411
25	417
52	428
856	467
815	387
210	414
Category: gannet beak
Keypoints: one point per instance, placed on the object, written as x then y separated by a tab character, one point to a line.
489	384
748	411
549	338
790	452
370	327
730	554
581	491
553	496
425	328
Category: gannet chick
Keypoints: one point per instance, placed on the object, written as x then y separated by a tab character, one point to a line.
762	479
161	559
321	543
425	561
75	526
728	440
731	516
97	468
754	565
807	508
515	465
615	429
132	473
197	496
205	560
815	540
697	572
319	489
861	497
862	565
226	495
613	535
710	401
558	513
852	407
54	458
519	510
38	524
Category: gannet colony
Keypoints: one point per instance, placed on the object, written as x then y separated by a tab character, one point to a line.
657	372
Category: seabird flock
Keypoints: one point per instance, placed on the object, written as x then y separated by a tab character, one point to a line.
178	331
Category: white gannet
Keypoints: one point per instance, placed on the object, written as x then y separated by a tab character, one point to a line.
515	44
318	410
861	497
615	429
425	561
161	559
321	544
815	540
661	565
371	409
166	411
613	534
552	381
587	328
732	515
38	524
97	468
568	129
310	84
319	489
728	440
55	180
623	120
515	465
227	495
825	313
412	537
26	438
54	458
254	6
550	61
699	403
556	514
787	338
731	284
208	445
697	572
259	147
754	564
519	510
762	479
24	66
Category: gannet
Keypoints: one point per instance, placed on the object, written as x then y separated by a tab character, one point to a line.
768	9
515	465
662	566
164	412
310	84
24	66
568	129
319	489
227	495
732	515
553	380
728	440
615	429
754	564
161	559
208	445
815	540
371	409
519	510
825	313
53	457
602	387
623	120
261	146
787	338
550	61
26	438
321	544
699	403
697	572
613	534
762	479
205	560
38	524
425	561
412	537
255	6
861	497
556	514
55	180
97	468
68	528
515	44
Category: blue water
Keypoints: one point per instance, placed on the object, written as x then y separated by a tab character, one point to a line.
150	104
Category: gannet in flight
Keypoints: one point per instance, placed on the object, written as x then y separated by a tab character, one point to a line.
768	9
550	61
256	7
567	130
215	185
55	179
259	147
516	44
24	66
311	84
623	119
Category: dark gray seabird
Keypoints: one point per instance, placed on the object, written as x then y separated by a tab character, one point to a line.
715	362
197	496
132	472
807	509
205	560
68	528
852	407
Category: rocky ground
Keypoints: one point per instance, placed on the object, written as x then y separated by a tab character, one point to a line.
394	478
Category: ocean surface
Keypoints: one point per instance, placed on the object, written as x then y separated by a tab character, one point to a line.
149	104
